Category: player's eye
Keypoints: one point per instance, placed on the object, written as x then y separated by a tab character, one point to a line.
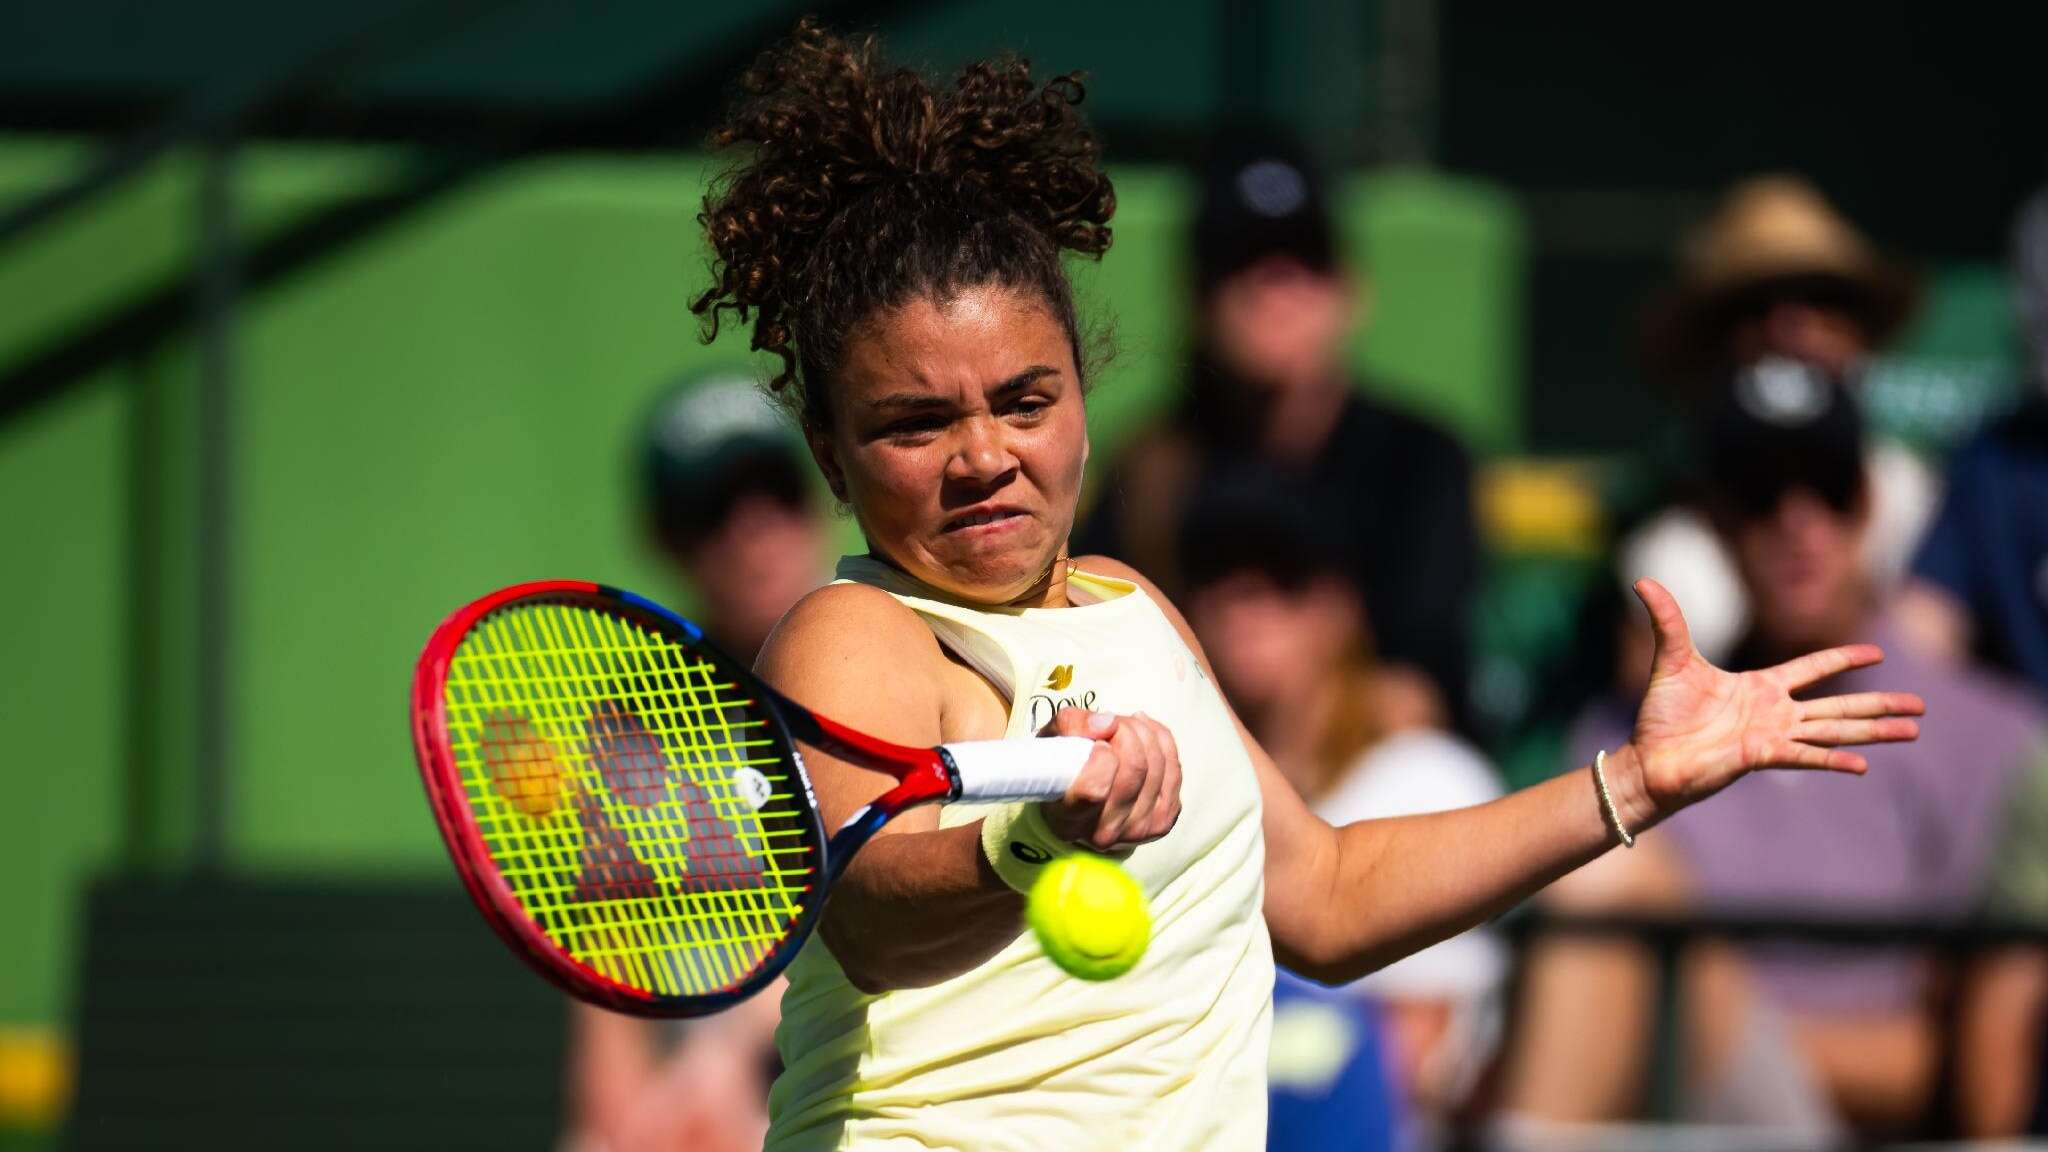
915	428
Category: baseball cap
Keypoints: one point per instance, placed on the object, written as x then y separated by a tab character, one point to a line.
1261	196
707	441
1780	424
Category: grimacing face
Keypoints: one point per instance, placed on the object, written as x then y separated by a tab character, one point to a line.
958	438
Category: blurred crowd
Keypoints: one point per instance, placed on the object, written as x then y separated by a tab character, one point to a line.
1323	545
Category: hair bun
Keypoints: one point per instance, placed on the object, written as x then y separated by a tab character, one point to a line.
828	125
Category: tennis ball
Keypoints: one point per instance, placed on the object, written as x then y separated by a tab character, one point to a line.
1089	916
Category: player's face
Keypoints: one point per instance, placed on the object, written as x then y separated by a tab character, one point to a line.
959	438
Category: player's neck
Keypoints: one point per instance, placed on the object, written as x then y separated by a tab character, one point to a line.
1051	589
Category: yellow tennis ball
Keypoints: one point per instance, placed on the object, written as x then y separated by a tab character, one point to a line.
1090	916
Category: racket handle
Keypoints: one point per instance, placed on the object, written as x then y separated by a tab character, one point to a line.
1037	769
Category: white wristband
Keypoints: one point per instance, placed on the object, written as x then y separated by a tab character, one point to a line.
1019	843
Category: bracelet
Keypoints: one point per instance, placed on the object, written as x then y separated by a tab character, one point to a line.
1607	809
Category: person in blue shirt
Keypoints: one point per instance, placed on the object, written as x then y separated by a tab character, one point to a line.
1980	581
1328	1082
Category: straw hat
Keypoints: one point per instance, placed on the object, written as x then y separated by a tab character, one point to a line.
1772	235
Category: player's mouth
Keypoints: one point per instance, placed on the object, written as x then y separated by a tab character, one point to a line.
984	518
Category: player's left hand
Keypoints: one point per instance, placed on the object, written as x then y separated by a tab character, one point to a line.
1701	728
1129	792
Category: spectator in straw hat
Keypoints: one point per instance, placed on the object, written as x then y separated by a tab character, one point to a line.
1776	272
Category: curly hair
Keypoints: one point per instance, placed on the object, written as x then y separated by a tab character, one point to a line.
867	186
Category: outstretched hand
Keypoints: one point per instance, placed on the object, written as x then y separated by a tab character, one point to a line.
1701	728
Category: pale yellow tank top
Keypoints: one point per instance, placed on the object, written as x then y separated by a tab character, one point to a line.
1016	1054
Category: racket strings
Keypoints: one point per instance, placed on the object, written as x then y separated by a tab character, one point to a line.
629	764
607	769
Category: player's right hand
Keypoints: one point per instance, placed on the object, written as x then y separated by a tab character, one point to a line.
1129	791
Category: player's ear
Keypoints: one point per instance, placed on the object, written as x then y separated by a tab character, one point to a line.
827	459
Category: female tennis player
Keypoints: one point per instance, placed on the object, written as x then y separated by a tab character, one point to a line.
899	245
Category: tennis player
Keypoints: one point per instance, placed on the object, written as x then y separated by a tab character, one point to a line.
899	245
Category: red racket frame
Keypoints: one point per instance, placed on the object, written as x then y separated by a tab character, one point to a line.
924	775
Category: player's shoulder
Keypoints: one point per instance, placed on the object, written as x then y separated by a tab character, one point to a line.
841	616
856	652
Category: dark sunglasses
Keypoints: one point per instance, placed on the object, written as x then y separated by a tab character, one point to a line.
1758	495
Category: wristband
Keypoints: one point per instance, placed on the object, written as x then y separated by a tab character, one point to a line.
1018	843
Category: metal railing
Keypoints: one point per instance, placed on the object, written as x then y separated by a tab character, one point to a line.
1668	937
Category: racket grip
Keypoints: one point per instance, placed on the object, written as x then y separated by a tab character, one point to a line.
1042	768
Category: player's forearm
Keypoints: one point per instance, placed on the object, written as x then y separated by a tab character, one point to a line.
918	908
1396	886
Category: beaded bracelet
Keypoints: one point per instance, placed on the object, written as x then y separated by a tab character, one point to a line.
1607	808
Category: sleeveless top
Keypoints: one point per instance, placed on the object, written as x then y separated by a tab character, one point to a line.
1015	1053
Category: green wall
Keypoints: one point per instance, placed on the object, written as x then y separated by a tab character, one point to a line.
62	683
430	414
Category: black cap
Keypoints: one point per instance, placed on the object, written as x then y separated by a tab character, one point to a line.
1261	197
1781	424
707	441
1250	517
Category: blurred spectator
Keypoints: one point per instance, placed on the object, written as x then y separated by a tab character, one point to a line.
1981	586
729	501
2000	1075
1273	308
1793	1037
1282	620
1981	580
1776	272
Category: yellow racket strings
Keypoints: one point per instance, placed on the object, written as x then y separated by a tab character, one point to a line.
634	801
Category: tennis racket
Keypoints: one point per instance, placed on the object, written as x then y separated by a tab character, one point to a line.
628	806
